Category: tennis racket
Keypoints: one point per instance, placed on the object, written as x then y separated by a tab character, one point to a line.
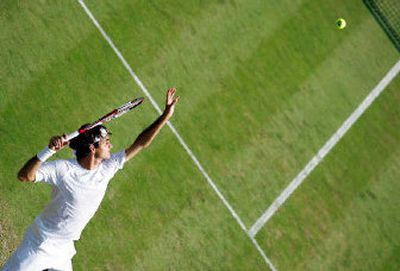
116	113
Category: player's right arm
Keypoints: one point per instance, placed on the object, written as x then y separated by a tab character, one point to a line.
28	172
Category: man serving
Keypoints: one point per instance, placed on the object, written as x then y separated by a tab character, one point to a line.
79	186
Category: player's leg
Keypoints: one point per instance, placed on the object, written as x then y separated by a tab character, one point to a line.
61	252
67	266
26	257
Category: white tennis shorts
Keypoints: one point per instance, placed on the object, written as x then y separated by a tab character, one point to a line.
36	255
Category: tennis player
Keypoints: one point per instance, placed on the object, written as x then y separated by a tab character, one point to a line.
79	186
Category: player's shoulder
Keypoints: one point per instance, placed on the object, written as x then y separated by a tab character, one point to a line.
116	159
116	156
53	168
60	164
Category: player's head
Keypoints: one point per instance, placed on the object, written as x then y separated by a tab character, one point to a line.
95	140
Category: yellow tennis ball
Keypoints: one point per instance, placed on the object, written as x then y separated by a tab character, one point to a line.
340	23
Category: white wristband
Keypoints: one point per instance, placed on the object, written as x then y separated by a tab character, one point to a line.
45	154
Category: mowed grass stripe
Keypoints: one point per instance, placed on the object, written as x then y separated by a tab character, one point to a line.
292	136
376	224
343	216
145	198
156	106
181	141
327	147
360	96
206	37
218	129
34	37
225	122
263	140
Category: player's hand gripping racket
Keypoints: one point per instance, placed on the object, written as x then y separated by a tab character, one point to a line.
125	108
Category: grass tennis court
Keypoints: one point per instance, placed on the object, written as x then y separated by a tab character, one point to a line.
263	86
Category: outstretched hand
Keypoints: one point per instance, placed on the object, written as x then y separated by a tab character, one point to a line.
170	102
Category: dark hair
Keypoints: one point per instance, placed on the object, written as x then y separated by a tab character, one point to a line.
81	144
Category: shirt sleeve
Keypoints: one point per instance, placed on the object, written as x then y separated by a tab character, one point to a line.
116	161
47	173
119	159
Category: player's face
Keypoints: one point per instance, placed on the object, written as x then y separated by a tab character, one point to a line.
104	149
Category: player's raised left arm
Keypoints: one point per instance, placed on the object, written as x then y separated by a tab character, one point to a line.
147	136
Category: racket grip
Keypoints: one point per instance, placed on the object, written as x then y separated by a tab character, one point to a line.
71	135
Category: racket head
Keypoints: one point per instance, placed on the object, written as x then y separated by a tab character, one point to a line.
125	108
129	106
116	113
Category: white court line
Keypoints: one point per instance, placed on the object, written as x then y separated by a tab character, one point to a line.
324	150
181	141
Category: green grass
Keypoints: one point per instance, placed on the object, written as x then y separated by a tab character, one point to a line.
264	84
235	66
345	217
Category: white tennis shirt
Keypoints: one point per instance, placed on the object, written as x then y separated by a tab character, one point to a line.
77	194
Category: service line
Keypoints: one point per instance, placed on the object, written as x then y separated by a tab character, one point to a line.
296	182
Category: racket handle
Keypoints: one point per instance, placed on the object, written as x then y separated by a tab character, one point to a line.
71	135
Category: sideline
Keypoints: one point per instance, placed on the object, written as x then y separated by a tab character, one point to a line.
181	141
